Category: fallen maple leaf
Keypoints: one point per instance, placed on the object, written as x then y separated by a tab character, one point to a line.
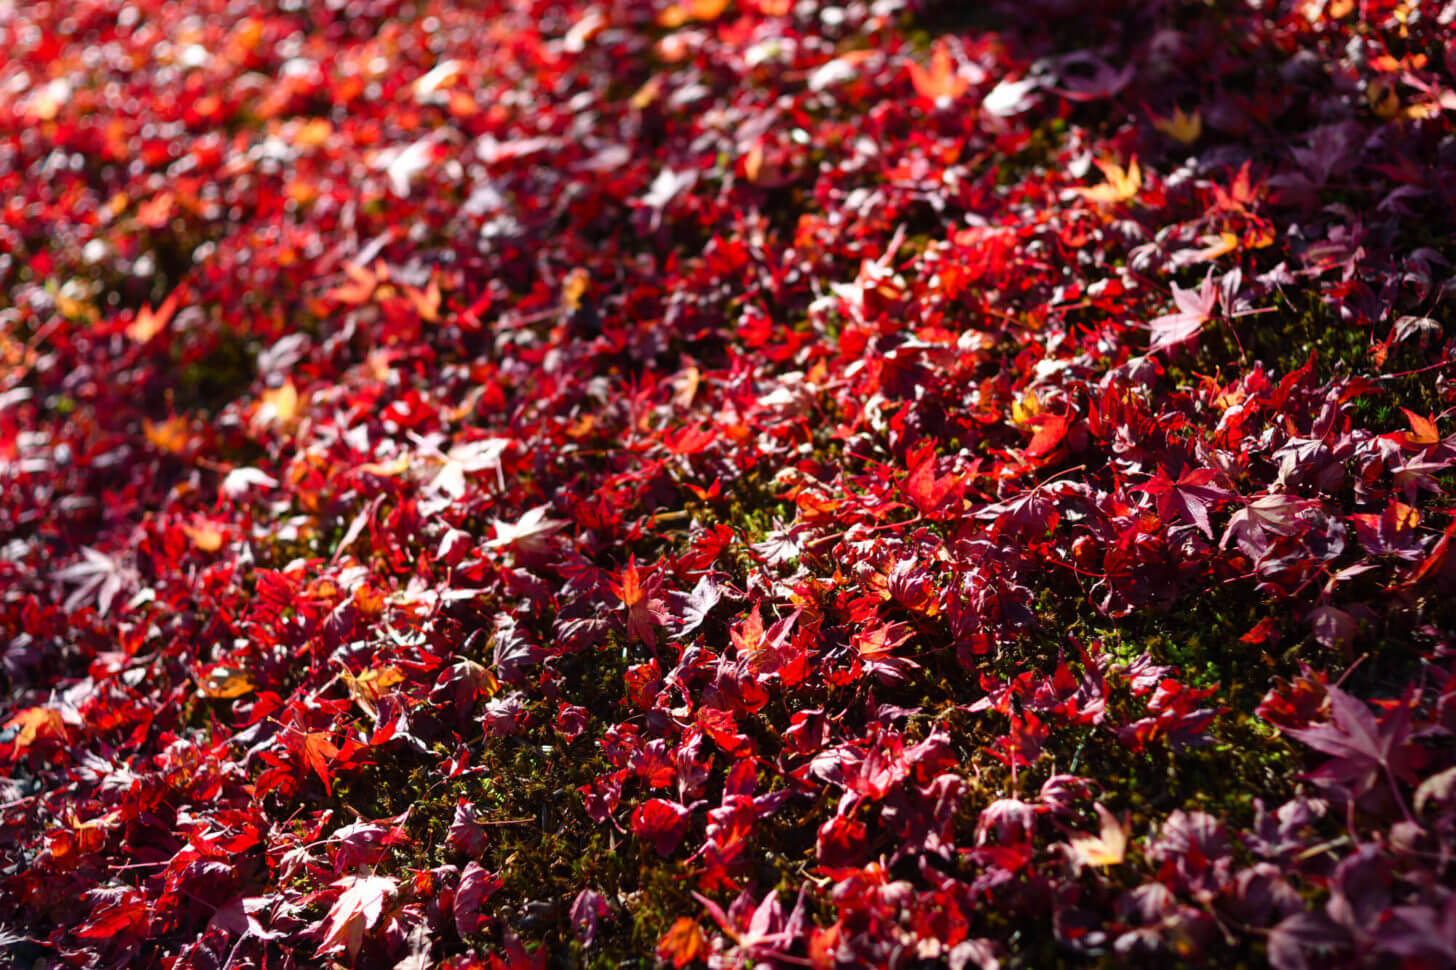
357	910
205	534
149	322
683	943
370	686
1052	428
1362	749
925	490
224	683
940	83
477	884
1183	128
1190	496
174	435
704	11
662	823
1423	430
277	406
644	610
1195	308
1121	185
1107	848
31	725
319	752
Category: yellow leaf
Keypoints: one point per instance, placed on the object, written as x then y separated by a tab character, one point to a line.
574	288
427	301
313	133
703	11
581	427
206	536
278	405
647	93
301	192
1025	409
34	723
360	287
1108	848
1384	100
397	465
367	688
1406	517
1183	128
74	302
1224	242
753	161
1120	185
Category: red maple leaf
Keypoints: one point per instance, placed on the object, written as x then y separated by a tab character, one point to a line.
662	823
927	492
644	610
1190	497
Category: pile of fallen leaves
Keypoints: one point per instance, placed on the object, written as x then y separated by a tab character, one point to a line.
762	482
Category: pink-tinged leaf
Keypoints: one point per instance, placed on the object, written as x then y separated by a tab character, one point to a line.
466	835
418	955
586	915
1362	748
1332	626
695	605
1195	308
1305	941
356	911
527	534
476	886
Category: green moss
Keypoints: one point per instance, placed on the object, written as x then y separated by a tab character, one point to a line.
217	377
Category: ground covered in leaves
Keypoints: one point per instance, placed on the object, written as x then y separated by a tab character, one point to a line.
738	482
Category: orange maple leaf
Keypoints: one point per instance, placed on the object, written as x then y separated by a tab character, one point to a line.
940	82
320	752
361	285
149	322
643	611
683	943
34	723
704	11
1423	430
